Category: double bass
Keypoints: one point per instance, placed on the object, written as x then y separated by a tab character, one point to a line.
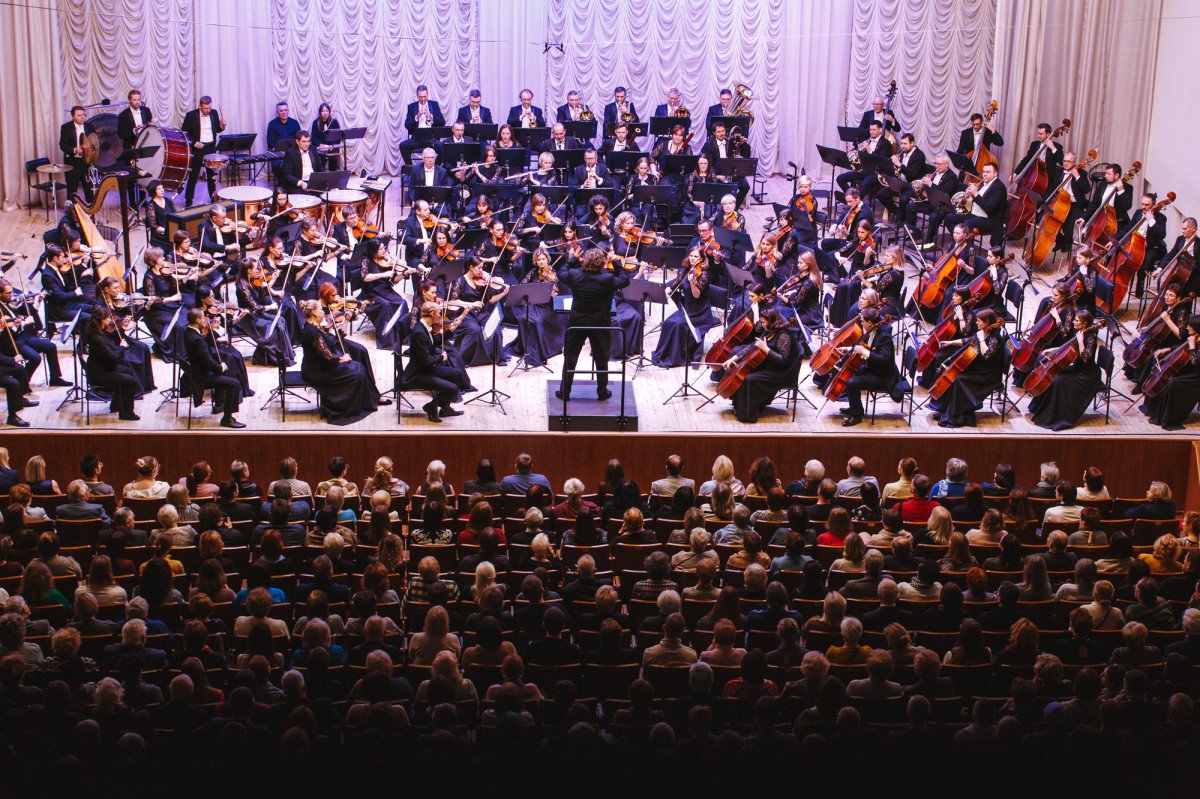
1058	211
935	282
1179	270
745	365
959	363
1055	364
1033	178
1102	226
1140	351
1121	268
984	156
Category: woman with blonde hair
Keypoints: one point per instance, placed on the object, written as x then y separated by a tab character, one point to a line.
485	575
958	555
833	610
147	486
8	475
435	637
35	477
854	554
1165	557
435	472
1035	587
382	479
722	472
990	531
720	505
445	666
939	527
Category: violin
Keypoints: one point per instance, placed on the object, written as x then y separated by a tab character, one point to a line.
1168	367
546	218
934	284
712	247
450	253
782	234
364	231
746	363
1056	362
1139	352
261	277
871	272
638	235
768	259
959	363
730	221
867	244
12	256
509	242
628	262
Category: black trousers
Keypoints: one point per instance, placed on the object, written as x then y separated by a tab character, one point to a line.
980	223
859	383
444	381
227	392
76	176
123	384
601	341
32	348
12	380
194	174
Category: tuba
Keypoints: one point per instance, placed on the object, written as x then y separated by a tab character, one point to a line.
744	97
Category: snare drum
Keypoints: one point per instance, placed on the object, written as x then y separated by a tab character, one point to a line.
215	162
307	205
337	199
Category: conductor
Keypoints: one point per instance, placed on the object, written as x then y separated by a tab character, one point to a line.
592	290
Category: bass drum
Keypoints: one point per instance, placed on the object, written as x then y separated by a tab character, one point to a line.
111	146
170	163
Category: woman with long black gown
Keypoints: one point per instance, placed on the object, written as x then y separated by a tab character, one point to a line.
379	272
1174	316
107	367
676	343
156	283
278	267
1058	305
805	296
985	374
338	319
541	331
778	370
857	256
261	306
1171	407
965	326
137	353
697	208
475	287
630	314
315	249
756	306
156	207
347	393
998	272
1062	405
1089	278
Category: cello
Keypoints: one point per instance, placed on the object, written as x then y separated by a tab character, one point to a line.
746	363
851	361
1137	353
1055	364
959	363
826	356
722	349
1179	270
1046	232
1167	369
1121	268
979	288
1042	331
935	282
945	330
1033	178
1103	223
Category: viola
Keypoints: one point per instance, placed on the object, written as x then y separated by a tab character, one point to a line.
958	364
722	349
1137	353
1046	233
934	284
1167	369
746	363
1034	179
1056	362
730	221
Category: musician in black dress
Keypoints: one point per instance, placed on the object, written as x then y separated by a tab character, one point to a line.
321	126
64	296
481	216
756	304
675	145
696	208
255	296
208	370
1174	316
1172	406
778	371
889	283
728	217
998	272
856	256
137	353
217	317
570	248
677	343
107	367
1062	405
805	296
642	176
195	268
315	249
350	233
453	314
768	265
804	206
966	325
878	372
1089	278
155	209
592	290
347	393
502	254
530	225
156	283
278	268
597	221
541	331
475	286
1060	306
30	345
379	274
985	374
429	366
630	314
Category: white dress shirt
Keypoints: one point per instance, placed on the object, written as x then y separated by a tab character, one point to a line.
206	129
306	165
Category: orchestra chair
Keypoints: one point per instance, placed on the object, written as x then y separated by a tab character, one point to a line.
1001	392
399	387
1106	361
1014	297
908	378
289	383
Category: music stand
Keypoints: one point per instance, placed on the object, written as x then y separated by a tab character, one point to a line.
712	193
938	201
852	135
876	163
319	182
642	291
482	131
661	127
740	278
566	161
623	160
235	142
513	161
431	133
661	194
455	155
446	272
492	396
837	159
663	256
681	164
288	233
737	167
730	123
636	129
963	163
524	296
434	195
582	129
583	197
531	138
470	239
686	386
556	196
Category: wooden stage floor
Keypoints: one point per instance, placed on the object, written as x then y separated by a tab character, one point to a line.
526	411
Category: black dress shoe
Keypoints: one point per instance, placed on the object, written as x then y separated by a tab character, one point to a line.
603	395
448	411
384	401
229	421
851	421
1171	428
16	421
59	382
30	403
433	417
132	417
559	394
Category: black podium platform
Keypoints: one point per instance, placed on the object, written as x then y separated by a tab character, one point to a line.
590	414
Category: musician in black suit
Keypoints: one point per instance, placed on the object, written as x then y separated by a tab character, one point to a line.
299	164
674	103
201	125
912	165
14	381
559	140
131	121
1076	183
980	132
424	113
70	142
721	109
526	115
64	295
1046	150
1188	244
718	147
879	113
1114	192
591	168
593	290
30	345
571	110
912	203
620	105
220	235
620	142
876	144
428	173
208	371
1152	226
429	366
989	211
475	112
878	372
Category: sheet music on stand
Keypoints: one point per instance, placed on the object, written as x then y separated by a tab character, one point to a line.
493	322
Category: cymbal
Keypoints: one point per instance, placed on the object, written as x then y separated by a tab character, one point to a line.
54	169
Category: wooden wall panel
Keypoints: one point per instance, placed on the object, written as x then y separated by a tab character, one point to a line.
1129	464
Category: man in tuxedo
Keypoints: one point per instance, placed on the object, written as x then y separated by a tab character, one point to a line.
129	124
1076	183
980	133
989	211
30	345
878	372
343	233
943	179
70	142
474	112
458	135
590	174
208	371
1046	150
875	144
526	115
282	127
428	173
1189	244
424	113
1114	193
220	237
620	105
880	114
593	289
570	111
559	140
201	125
674	103
912	165
429	367
1152	227
721	109
298	165
717	147
620	142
